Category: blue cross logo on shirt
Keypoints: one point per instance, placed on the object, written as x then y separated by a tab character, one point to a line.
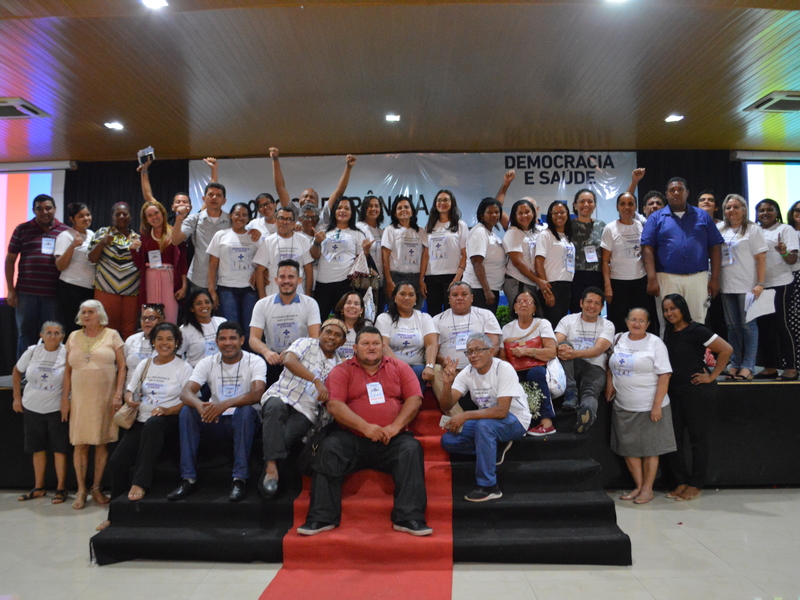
411	251
44	376
241	256
335	247
406	344
438	246
286	332
622	361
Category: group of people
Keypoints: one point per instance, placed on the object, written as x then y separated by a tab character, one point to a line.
294	333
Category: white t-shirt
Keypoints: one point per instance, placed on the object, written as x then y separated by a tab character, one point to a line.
347	350
375	249
482	242
275	248
406	247
261	224
161	387
338	253
635	367
524	242
196	345
80	271
559	256
796	266
407	336
778	272
284	323
44	372
738	274
228	381
499	381
137	348
538	328
454	331
625	244
583	335
444	248
235	252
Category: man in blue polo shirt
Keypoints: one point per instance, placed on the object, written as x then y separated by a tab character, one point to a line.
677	243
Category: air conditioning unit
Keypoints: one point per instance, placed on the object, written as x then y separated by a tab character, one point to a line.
18	108
777	102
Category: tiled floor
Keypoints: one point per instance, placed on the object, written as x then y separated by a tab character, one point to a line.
729	544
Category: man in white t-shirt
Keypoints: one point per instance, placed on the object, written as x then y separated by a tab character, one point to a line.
583	339
284	244
503	414
280	319
455	325
237	380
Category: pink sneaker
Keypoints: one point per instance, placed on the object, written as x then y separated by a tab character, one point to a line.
541	430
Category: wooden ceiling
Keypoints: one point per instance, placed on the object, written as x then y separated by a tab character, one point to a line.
234	77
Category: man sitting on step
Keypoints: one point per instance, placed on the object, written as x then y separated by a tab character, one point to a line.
583	339
373	398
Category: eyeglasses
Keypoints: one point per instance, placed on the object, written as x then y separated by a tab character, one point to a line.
637	321
475	351
524	302
150	318
284	219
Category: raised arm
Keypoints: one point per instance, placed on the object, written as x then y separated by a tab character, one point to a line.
212	162
147	191
277	176
636	177
350	160
501	195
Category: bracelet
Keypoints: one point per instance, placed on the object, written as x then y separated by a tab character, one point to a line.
785	255
430	366
317	244
144	172
761	283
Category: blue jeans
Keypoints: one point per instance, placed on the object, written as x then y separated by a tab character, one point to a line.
241	426
538	375
418	369
236	304
33	310
742	336
480	437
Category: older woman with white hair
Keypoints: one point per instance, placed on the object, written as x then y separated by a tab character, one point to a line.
94	380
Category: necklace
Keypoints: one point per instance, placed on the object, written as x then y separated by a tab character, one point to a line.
90	343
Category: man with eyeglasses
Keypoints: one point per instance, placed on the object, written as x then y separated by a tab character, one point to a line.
284	244
502	416
583	339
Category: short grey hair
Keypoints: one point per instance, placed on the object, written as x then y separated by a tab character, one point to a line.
95	304
480	337
47	324
460	282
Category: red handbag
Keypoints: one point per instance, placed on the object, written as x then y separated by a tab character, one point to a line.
522	363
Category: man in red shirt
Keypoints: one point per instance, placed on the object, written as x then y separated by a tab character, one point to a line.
373	398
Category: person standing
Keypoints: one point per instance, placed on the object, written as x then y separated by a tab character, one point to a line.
284	244
76	281
586	236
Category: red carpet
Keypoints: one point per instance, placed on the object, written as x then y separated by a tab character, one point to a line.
364	556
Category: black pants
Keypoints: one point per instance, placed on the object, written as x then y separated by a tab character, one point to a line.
437	298
273	373
281	427
70	298
692	408
777	337
342	452
139	450
561	292
628	294
580	281
328	295
479	299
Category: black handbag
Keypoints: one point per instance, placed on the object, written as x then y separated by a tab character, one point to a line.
308	455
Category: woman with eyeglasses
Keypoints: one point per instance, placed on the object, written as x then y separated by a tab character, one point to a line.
555	262
404	246
446	258
486	269
266	222
138	346
76	281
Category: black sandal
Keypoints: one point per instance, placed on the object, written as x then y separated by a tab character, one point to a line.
59	497
32	494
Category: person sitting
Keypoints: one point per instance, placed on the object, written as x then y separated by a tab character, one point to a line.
583	339
290	407
502	416
230	410
350	310
373	398
43	367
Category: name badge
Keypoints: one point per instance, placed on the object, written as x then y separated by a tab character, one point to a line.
154	258
461	340
48	245
590	252
211	347
375	393
727	254
569	258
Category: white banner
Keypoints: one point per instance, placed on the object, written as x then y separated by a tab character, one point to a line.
545	176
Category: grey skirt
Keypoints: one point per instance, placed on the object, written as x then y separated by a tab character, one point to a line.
634	434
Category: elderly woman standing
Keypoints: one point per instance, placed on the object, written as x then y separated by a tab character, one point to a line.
94	379
116	283
43	367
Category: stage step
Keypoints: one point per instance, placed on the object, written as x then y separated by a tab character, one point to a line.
569	475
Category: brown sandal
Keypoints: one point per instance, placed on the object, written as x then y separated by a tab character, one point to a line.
80	500
99	497
676	492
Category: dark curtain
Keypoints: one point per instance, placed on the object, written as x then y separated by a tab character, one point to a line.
102	184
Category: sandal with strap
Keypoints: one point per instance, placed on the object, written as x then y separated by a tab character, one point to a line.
80	500
98	496
59	497
34	493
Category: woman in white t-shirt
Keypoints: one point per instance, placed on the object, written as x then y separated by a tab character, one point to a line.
231	272
408	334
199	329
778	338
76	281
624	277
350	310
155	389
529	343
794	306
446	258
336	248
519	243
641	421
43	367
744	269
555	262
138	347
403	247
370	219
486	269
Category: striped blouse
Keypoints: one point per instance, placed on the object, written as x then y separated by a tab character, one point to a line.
116	272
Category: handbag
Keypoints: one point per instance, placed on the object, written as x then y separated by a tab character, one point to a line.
556	378
522	363
126	415
308	455
362	275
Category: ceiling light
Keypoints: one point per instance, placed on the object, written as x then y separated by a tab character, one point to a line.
155	4
393	118
674	118
116	125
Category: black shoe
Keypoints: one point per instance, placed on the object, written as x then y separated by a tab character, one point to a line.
585	420
182	491
314	527
570	403
267	487
482	494
413	527
238	491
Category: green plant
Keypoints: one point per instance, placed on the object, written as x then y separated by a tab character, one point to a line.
503	315
535	397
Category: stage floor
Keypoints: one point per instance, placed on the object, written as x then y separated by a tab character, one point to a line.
729	544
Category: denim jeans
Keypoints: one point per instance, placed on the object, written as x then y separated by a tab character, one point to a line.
236	304
480	437
742	336
585	379
33	310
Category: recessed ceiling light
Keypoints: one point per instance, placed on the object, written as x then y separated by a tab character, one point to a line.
116	125
155	4
674	118
616	1
393	118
